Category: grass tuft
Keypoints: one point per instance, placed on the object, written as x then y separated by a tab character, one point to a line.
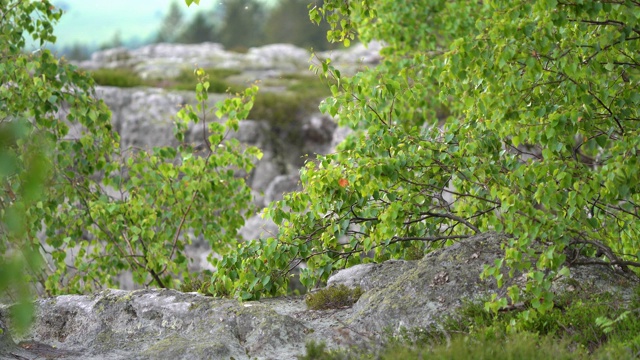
333	297
116	77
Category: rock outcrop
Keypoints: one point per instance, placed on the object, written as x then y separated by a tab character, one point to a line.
166	324
160	61
144	116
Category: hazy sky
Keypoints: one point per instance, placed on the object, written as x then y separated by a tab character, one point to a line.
95	22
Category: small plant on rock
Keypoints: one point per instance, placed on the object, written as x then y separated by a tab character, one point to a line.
333	297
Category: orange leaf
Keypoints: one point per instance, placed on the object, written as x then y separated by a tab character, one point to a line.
343	182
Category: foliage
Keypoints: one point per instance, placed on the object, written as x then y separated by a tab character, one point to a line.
242	23
217	80
282	109
319	351
198	283
115	42
278	108
116	77
77	51
151	204
199	29
288	22
573	319
123	77
171	26
71	198
333	297
239	25
541	143
37	147
521	346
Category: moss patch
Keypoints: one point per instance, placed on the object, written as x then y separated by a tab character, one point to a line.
217	78
124	78
197	283
186	80
301	96
333	297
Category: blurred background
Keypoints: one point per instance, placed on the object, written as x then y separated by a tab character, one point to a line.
88	26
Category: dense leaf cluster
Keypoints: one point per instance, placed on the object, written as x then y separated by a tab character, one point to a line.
73	200
241	24
34	87
540	141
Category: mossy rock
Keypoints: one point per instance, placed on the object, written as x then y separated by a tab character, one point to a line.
123	78
333	297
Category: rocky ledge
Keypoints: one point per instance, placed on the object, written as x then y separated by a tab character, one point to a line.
166	324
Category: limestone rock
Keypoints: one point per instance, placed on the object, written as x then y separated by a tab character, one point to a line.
355	58
258	228
6	341
111	56
339	135
279	186
279	56
318	133
166	324
143	117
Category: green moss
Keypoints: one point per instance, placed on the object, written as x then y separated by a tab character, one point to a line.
333	297
309	86
302	96
319	351
197	283
280	109
187	80
116	77
522	346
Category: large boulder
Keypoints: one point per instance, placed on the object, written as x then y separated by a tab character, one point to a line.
166	324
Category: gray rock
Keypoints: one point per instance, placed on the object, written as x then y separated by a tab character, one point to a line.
279	56
339	135
166	324
354	276
6	342
265	171
355	58
257	227
179	52
318	133
111	57
425	290
143	116
319	128
281	185
165	61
